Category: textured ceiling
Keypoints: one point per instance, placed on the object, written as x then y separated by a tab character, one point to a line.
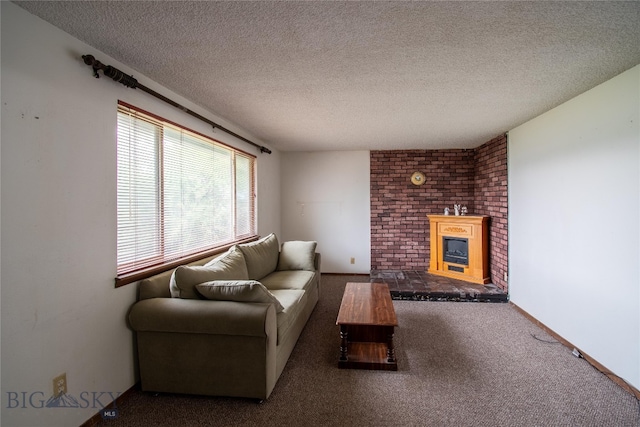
308	76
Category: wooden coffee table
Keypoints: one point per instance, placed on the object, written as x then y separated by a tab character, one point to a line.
367	320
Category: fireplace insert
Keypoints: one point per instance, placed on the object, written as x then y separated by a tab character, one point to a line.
456	250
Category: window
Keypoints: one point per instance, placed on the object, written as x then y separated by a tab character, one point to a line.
179	193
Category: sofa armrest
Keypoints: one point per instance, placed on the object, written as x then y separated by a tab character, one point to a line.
316	262
203	317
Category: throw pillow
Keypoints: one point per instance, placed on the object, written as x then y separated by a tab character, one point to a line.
230	266
173	287
261	256
297	255
238	290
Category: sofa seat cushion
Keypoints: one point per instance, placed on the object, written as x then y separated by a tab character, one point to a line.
293	301
261	256
238	290
229	266
297	279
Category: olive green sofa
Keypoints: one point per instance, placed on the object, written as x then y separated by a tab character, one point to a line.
226	326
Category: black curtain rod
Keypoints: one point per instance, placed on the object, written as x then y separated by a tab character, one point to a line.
131	82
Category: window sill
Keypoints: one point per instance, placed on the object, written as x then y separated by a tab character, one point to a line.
125	279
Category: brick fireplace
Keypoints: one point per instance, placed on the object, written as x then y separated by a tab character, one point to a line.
477	178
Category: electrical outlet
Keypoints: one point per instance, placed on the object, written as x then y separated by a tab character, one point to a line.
353	260
60	385
506	277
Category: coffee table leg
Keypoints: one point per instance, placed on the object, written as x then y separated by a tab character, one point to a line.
343	344
391	351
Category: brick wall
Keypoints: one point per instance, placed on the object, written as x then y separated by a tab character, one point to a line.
490	192
399	224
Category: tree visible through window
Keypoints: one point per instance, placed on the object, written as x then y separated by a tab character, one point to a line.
179	193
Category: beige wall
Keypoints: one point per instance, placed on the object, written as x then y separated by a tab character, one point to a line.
574	222
325	197
60	310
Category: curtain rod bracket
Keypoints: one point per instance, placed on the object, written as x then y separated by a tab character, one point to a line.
130	81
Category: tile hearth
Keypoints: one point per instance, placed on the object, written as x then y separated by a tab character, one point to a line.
422	286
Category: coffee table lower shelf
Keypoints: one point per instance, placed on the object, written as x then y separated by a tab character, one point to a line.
367	355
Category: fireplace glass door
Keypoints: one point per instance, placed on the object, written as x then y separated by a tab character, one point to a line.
456	250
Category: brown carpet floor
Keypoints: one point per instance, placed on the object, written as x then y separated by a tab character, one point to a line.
459	364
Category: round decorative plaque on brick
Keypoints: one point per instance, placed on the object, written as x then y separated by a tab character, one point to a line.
417	178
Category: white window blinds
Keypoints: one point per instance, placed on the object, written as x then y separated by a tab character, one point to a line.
179	193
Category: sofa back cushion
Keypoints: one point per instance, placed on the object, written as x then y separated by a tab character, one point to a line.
238	290
297	255
159	285
261	256
229	266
